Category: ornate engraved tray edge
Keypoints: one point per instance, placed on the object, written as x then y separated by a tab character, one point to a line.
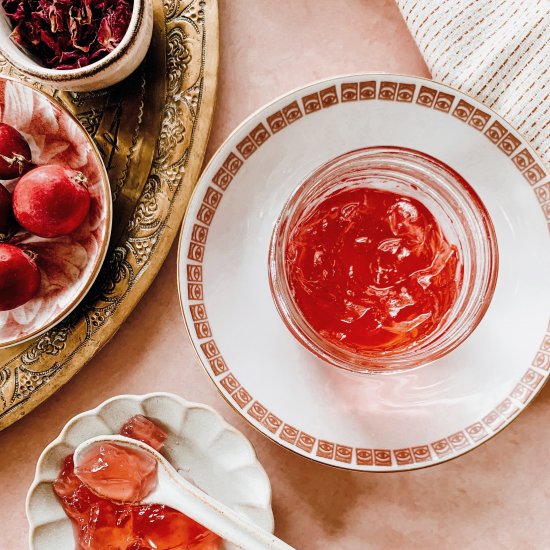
151	209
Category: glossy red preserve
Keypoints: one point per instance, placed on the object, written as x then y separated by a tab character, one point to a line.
117	472
102	524
141	428
370	269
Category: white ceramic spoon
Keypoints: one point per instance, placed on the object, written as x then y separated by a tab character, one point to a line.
176	492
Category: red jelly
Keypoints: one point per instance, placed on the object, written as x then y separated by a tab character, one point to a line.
117	472
141	428
371	270
102	524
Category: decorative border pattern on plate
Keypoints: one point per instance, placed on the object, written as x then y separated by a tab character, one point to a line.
483	121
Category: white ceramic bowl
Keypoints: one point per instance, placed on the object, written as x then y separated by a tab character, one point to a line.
113	68
200	445
70	264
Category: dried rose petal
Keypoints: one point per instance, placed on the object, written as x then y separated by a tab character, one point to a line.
67	34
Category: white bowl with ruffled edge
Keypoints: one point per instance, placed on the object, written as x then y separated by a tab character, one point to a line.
201	445
104	72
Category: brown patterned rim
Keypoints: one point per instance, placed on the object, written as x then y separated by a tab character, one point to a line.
108	221
128	40
356	88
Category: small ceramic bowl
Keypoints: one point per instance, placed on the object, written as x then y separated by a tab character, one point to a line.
200	445
69	265
113	68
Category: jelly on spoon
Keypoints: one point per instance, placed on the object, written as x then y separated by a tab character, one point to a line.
117	472
101	523
179	494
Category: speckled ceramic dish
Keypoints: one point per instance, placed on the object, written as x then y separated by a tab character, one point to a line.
200	445
366	422
69	265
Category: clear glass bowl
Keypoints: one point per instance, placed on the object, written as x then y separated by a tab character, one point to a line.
462	217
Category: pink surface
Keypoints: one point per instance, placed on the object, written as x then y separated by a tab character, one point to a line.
495	497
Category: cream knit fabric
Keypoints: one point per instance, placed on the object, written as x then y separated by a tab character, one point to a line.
497	51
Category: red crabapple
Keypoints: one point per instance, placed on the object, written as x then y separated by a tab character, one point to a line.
19	277
15	153
51	200
6	213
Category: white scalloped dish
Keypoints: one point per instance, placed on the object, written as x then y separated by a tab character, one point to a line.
200	445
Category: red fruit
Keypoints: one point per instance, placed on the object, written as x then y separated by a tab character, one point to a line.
15	153
6	213
52	200
19	277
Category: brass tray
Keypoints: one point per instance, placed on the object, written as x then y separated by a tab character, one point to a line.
152	130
